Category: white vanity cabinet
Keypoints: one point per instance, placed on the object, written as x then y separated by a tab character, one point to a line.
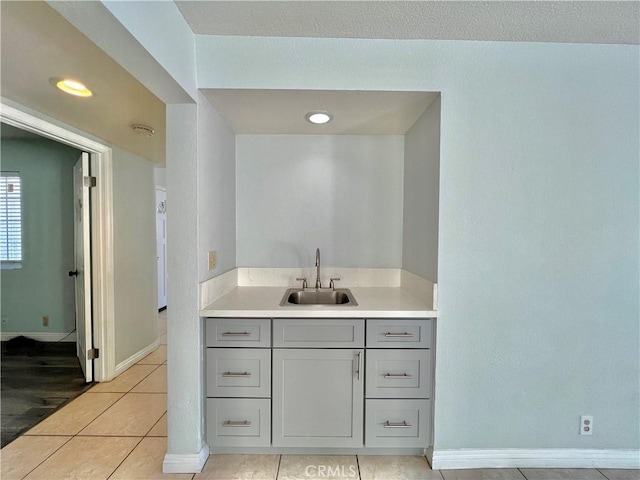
284	384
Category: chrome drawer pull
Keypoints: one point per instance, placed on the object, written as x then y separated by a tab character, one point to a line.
236	374
234	423
397	375
405	334
402	424
236	334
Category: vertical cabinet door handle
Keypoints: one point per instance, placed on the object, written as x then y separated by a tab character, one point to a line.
359	365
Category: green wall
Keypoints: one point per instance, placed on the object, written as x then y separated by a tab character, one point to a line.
42	286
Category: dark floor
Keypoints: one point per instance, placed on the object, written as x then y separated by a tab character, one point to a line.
37	378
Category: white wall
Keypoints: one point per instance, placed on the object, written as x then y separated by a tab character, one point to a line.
422	195
134	240
538	242
185	396
339	193
216	191
160	176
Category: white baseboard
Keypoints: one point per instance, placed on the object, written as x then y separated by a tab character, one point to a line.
133	359
185	463
40	336
538	458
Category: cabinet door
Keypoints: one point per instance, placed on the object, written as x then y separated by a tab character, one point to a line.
317	398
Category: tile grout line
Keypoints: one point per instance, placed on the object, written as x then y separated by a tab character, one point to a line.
154	426
50	455
77	434
125	458
603	474
278	469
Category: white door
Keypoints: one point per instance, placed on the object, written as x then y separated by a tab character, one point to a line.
82	272
161	245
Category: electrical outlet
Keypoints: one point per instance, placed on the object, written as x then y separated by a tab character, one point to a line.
45	321
212	259
586	425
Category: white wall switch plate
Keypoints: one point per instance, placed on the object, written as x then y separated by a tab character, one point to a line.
212	259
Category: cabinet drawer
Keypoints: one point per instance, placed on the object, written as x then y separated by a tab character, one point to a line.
238	372
398	373
397	423
238	332
318	332
239	422
399	333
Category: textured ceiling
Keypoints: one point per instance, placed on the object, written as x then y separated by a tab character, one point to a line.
38	43
354	112
519	21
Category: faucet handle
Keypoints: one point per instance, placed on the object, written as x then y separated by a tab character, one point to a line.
303	280
332	284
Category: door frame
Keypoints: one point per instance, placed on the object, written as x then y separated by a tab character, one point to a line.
102	297
162	189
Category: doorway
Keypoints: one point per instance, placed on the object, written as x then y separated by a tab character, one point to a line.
100	201
45	332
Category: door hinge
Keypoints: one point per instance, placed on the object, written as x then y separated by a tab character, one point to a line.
93	353
90	182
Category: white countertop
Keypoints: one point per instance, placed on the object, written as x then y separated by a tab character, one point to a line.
380	302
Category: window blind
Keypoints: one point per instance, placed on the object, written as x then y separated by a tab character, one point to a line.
10	217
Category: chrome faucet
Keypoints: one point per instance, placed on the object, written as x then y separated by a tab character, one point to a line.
318	281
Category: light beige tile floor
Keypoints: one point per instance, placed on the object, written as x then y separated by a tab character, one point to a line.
562	474
483	474
125	381
376	467
617	474
145	462
240	467
134	415
156	382
117	431
329	467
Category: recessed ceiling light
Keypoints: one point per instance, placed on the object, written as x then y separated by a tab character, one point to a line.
319	117
72	87
144	130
